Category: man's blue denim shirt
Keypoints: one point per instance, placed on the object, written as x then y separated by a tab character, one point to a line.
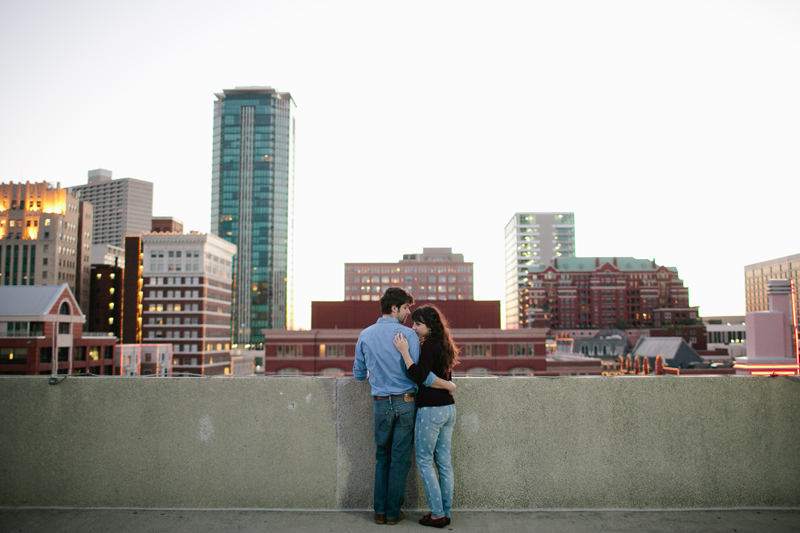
376	353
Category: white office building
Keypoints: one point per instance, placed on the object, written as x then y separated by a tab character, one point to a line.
533	239
187	291
121	207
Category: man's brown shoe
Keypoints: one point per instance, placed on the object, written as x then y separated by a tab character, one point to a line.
390	522
380	518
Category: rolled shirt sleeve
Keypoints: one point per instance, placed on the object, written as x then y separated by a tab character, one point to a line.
360	364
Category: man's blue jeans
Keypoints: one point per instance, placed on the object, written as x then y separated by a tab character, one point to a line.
393	421
433	435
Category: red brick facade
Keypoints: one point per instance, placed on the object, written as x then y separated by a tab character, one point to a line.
31	352
329	347
600	292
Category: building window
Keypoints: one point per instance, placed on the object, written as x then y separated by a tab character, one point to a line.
14	356
80	353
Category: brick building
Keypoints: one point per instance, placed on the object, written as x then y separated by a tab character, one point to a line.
329	347
435	274
40	322
106	300
607	292
185	285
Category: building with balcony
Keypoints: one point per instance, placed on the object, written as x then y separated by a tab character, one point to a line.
532	240
252	183
434	274
186	293
121	207
41	332
606	292
45	238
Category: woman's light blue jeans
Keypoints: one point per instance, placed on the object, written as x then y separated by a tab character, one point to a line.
432	436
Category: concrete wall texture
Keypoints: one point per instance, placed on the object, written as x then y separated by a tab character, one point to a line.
306	443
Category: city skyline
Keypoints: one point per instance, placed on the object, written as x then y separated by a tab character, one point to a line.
666	129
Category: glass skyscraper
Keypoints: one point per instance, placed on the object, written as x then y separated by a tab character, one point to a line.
252	186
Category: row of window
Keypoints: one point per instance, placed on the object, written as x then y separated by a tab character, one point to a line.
378	289
79	353
461	269
173	307
424	296
407	279
174	294
338	350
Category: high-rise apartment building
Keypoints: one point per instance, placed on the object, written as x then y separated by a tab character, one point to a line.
435	274
756	281
186	290
251	203
121	207
531	240
45	238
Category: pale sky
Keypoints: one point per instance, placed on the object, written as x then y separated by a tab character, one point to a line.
671	129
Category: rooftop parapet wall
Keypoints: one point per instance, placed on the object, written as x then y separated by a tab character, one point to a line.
306	443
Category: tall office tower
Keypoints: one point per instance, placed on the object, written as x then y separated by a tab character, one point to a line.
121	207
533	239
756	281
435	274
45	238
186	291
252	181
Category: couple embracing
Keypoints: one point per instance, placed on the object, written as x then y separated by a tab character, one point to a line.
409	372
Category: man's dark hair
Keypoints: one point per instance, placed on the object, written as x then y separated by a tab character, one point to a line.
395	296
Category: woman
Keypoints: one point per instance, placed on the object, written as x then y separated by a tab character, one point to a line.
436	410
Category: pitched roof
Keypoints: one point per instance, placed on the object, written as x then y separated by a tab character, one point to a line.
29	299
674	350
587	264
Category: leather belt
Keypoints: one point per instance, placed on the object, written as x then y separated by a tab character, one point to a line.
393	396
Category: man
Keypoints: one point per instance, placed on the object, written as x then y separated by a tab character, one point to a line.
394	408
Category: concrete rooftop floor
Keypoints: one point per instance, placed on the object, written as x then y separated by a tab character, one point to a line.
24	520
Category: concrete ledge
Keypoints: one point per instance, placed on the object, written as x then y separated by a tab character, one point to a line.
306	443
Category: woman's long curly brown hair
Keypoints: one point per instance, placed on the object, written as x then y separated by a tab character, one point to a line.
439	332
